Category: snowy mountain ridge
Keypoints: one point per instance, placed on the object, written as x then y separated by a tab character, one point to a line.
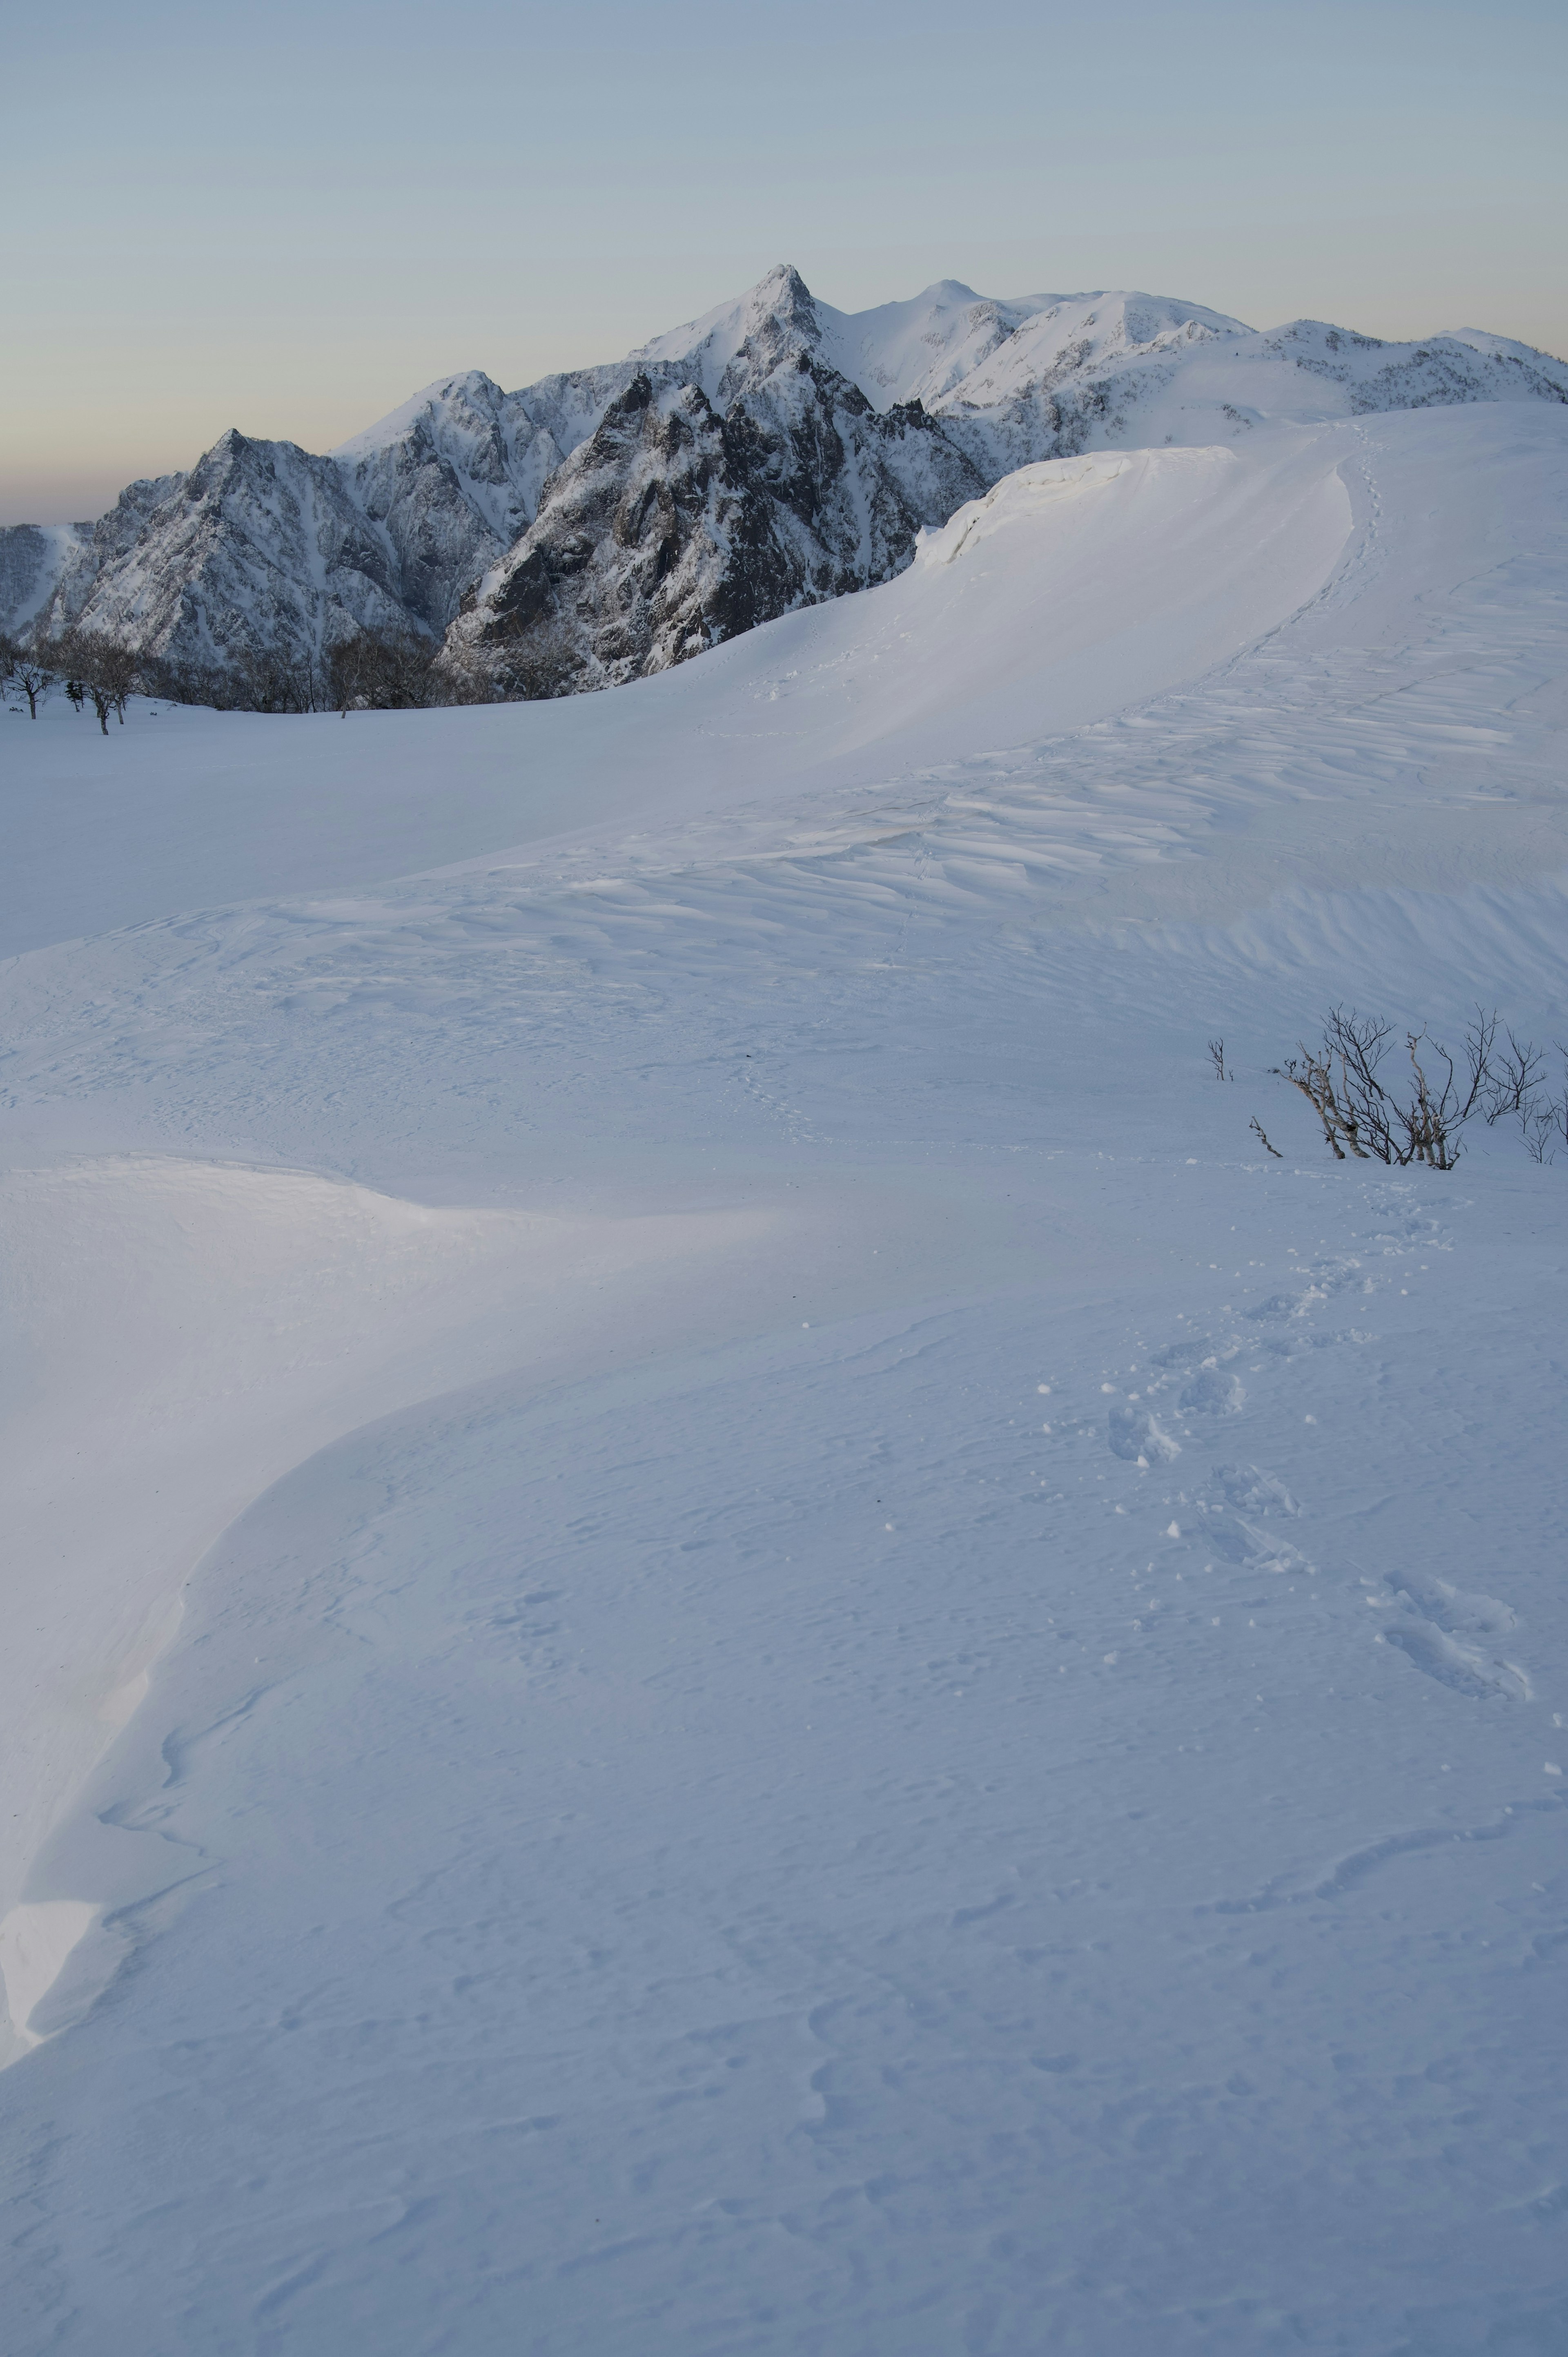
611	520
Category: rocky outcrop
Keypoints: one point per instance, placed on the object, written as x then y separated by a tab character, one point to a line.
679	524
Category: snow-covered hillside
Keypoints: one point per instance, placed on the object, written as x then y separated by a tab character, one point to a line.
728	1628
610	522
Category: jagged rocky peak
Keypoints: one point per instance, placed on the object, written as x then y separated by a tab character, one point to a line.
737	343
910	350
679	523
611	520
615	576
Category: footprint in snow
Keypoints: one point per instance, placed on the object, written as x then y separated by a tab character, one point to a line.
1211	1392
1190	1350
1460	1611
1438	1627
1467	1669
1137	1436
1241	1497
1251	1490
1323	1283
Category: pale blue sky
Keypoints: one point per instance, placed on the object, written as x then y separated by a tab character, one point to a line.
287	218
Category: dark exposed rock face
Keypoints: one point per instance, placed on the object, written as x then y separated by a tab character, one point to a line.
676	525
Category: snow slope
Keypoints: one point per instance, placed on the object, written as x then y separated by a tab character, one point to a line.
1040	602
255	1314
855	1681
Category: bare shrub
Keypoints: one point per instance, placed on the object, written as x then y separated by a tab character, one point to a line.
1372	1112
1516	1077
1542	1117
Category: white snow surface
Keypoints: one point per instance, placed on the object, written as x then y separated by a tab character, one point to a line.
726	1630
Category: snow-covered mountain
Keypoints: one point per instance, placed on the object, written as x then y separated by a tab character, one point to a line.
610	522
1134	370
680	522
915	350
800	449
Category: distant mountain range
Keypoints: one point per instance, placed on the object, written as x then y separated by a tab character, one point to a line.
609	522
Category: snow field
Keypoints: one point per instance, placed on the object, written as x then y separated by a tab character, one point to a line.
628	1889
854	1682
183	1333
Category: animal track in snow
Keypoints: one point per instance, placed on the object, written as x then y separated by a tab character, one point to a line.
1347	1874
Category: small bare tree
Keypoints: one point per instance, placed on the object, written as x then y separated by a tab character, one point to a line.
279	674
26	673
383	670
104	670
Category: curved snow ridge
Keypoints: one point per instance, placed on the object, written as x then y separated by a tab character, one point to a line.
1019	498
185	1334
1081	586
37	1942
